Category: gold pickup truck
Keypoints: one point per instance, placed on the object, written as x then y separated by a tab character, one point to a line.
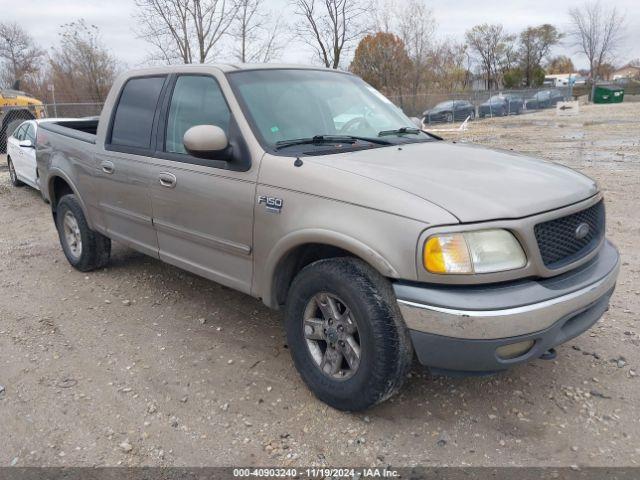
308	189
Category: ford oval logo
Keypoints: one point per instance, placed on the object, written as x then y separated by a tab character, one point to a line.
582	231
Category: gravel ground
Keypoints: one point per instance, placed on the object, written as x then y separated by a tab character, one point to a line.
143	364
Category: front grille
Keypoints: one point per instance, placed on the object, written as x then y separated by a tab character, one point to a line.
557	240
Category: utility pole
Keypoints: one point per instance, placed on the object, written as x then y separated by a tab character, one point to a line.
51	87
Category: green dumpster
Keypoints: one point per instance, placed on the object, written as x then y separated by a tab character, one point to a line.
608	94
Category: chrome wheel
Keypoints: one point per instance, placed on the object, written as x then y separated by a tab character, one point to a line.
72	235
331	334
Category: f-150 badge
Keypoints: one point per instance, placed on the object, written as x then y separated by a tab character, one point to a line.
273	204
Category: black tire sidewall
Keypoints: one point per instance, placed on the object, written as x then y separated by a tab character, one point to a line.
16	182
376	328
69	203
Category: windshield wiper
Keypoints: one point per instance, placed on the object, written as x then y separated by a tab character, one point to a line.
325	139
400	131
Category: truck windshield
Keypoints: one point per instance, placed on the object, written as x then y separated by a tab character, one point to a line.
284	105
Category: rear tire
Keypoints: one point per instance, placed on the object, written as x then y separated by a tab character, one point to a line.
383	344
13	175
84	248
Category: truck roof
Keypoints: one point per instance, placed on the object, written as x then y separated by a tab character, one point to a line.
224	67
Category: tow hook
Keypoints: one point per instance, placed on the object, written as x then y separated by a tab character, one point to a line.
550	354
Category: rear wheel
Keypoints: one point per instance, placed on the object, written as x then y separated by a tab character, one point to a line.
84	248
346	335
13	175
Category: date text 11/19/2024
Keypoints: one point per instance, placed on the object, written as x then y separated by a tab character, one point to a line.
315	472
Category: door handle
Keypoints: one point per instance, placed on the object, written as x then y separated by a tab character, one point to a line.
167	179
107	167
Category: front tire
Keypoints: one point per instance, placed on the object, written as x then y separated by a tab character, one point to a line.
84	248
13	175
346	335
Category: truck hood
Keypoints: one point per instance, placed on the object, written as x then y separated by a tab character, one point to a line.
472	183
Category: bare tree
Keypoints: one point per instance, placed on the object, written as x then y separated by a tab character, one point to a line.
330	26
491	44
19	54
449	65
383	18
82	69
186	31
257	33
597	32
417	26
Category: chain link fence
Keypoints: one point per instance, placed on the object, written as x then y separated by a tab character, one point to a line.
450	107
13	115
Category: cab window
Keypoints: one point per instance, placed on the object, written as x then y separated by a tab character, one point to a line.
133	119
196	100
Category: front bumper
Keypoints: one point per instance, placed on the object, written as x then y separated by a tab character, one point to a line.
461	327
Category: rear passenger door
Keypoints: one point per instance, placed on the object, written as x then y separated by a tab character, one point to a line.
202	209
125	171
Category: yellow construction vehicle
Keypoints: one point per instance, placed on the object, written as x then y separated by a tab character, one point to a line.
15	108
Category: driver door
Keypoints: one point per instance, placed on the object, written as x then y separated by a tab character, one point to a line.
202	209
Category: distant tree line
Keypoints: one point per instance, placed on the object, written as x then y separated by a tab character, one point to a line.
78	69
393	44
490	55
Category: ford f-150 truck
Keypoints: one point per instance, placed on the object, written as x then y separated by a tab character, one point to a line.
308	189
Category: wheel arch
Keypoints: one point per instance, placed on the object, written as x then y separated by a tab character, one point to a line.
297	250
59	185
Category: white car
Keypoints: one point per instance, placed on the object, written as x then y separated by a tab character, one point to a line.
21	153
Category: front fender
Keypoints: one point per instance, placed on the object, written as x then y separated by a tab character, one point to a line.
298	238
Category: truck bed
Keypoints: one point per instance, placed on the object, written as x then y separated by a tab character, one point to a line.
83	129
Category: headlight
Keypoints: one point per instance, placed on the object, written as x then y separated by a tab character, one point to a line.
483	251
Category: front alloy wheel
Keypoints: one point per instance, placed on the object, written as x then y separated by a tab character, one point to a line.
345	333
332	336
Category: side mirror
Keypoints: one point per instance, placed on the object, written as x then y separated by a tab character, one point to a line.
206	141
417	122
26	144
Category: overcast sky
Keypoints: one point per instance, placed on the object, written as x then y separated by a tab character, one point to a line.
42	18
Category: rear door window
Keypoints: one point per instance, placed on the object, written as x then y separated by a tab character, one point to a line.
133	119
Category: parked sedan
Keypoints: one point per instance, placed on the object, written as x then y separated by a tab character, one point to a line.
544	99
21	153
449	111
500	105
